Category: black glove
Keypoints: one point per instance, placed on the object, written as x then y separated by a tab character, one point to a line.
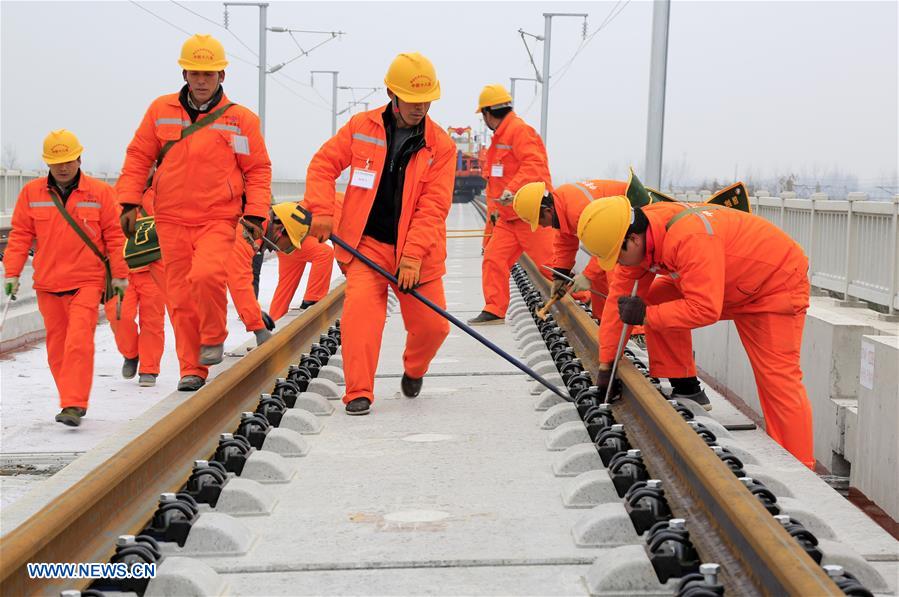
128	219
560	287
631	310
603	379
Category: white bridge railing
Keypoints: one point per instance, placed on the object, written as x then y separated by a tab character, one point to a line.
12	181
851	244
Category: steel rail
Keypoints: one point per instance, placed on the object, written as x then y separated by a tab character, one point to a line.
120	495
728	525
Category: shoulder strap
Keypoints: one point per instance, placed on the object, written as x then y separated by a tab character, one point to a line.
206	120
68	217
694	210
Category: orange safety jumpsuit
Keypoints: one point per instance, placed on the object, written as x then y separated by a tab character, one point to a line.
69	279
569	201
144	343
240	280
290	269
723	264
427	196
488	225
198	193
516	156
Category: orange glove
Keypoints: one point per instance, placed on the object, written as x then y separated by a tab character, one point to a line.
321	227
408	274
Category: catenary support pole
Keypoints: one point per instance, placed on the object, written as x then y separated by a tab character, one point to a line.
658	69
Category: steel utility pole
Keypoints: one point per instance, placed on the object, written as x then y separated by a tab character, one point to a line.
547	33
333	74
263	15
371	91
512	85
658	69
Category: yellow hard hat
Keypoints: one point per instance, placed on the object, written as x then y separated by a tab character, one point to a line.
527	203
412	78
61	146
295	220
602	227
203	53
493	95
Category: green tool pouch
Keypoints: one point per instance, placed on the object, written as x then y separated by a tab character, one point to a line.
142	249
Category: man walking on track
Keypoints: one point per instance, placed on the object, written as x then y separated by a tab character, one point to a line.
516	156
693	265
211	168
394	212
77	263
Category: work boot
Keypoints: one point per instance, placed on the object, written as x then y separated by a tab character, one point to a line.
191	383
699	398
486	318
129	368
358	406
262	336
146	380
212	354
411	386
71	416
307	304
268	321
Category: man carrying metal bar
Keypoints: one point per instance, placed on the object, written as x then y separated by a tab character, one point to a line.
693	265
515	157
394	212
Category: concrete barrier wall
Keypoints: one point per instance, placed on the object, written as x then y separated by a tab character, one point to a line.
846	443
875	467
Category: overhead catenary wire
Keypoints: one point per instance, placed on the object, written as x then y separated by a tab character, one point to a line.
217	24
147	10
238	57
613	14
169	23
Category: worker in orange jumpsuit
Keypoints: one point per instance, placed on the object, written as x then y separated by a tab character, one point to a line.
394	212
516	156
560	209
197	190
240	285
693	266
290	270
69	277
140	344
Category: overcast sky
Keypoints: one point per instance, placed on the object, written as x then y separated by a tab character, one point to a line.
753	87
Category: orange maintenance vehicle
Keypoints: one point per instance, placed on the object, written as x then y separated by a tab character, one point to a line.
469	155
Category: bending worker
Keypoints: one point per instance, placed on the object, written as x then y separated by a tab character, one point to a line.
559	210
291	266
696	265
516	156
74	220
394	211
207	153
